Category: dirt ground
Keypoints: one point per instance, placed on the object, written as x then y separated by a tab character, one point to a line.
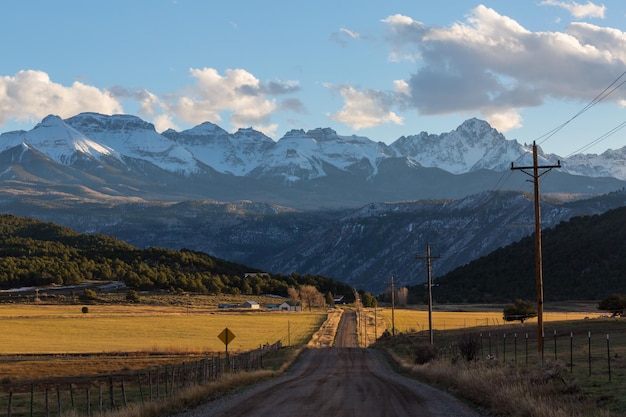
338	381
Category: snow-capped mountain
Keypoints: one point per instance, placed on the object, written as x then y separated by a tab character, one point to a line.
59	141
123	155
472	146
317	201
135	138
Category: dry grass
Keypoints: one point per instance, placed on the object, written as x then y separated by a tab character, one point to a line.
508	390
200	394
410	320
110	328
519	381
325	336
56	341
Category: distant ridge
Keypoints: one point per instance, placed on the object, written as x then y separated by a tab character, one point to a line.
122	156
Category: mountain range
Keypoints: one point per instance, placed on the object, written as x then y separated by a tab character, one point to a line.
122	157
316	202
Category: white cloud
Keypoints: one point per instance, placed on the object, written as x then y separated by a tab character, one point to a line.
364	109
163	122
504	121
148	101
492	62
352	34
238	93
342	36
401	34
577	10
31	95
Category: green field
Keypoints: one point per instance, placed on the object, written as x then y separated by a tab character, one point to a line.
39	329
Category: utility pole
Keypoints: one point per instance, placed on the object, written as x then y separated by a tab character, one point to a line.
538	258
393	302
430	291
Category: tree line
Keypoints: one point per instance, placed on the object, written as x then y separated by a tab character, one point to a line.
34	253
582	260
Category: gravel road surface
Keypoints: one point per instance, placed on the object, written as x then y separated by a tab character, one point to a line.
340	382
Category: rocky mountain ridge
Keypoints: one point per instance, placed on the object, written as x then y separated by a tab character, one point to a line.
312	202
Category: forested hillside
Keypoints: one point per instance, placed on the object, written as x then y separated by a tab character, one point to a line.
583	259
34	253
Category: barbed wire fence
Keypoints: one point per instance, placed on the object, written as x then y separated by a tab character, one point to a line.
96	395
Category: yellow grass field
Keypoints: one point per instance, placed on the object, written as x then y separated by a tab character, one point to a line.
407	320
40	329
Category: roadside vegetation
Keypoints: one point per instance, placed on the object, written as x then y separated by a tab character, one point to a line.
512	384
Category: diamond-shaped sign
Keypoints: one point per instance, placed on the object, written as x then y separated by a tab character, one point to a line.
226	336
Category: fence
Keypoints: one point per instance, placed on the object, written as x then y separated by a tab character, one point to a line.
96	395
583	353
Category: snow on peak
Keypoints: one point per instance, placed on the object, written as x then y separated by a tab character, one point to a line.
133	137
206	128
58	141
297	155
473	145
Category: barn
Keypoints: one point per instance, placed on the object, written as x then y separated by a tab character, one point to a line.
252	305
291	306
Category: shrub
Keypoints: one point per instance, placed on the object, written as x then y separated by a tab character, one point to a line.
132	296
85	310
520	310
89	295
469	347
425	353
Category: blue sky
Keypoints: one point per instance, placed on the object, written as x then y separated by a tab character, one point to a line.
381	69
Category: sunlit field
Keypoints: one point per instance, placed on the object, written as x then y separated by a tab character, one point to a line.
407	320
115	328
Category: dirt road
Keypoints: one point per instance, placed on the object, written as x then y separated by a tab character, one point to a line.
338	382
346	331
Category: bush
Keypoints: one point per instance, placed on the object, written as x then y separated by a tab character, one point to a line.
614	303
89	295
85	310
469	347
425	353
520	310
132	296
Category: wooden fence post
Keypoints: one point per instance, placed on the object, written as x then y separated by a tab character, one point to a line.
10	403
100	399
111	396
46	404
58	401
88	402
124	393
150	384
140	390
166	381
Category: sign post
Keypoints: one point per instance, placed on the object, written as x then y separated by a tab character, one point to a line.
226	336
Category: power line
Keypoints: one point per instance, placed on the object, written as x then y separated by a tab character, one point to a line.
597	99
610	89
599	139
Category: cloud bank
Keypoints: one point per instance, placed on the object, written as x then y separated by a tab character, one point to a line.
492	65
32	95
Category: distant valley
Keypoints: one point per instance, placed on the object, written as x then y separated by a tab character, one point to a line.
312	202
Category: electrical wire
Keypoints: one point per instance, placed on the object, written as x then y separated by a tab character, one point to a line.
599	139
597	99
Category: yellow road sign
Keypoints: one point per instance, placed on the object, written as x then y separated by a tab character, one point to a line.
226	336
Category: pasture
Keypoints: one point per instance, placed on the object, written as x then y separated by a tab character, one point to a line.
62	329
409	320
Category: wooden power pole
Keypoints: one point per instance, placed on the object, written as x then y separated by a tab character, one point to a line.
430	291
538	259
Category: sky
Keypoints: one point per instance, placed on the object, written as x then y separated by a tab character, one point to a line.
548	71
